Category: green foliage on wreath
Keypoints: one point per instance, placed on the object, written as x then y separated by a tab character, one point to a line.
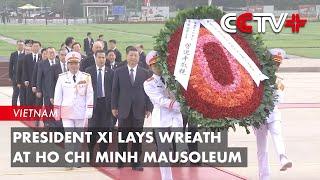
256	43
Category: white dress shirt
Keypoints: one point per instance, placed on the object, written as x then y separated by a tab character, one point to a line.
134	71
102	75
37	57
52	62
65	64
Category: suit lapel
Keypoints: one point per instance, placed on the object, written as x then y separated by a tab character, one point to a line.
138	75
126	71
94	77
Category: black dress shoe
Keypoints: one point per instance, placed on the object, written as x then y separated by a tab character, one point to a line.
137	167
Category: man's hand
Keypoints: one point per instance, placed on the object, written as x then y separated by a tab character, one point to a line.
26	83
51	100
34	89
148	113
115	112
38	94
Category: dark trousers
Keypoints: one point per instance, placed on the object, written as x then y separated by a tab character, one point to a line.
22	95
38	102
30	97
193	128
15	94
134	125
101	121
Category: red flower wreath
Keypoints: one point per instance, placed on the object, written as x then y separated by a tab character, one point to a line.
219	86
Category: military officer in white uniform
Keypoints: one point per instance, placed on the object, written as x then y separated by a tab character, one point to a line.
166	111
273	126
73	98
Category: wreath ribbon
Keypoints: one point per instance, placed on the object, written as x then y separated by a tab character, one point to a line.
188	44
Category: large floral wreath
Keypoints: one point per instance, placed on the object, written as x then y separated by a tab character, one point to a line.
220	93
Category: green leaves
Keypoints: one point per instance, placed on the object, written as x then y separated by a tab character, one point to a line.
256	42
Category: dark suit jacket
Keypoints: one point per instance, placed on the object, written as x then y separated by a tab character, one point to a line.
118	55
108	80
89	61
142	60
13	66
54	75
126	96
116	65
44	77
19	73
34	74
87	45
28	67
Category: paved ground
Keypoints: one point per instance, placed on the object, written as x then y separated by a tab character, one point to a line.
300	130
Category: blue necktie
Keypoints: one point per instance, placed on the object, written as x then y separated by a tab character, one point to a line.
99	85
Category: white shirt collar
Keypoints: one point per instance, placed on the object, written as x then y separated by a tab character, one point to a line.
134	68
102	69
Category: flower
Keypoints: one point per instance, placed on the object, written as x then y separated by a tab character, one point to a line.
221	92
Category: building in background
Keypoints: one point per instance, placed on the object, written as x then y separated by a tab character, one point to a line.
97	10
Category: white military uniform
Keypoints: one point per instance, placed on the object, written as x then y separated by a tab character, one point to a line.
74	100
165	114
273	125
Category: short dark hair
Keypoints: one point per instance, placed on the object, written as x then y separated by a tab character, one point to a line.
75	44
112	41
88	33
109	51
131	48
99	52
28	41
69	40
43	50
101	35
36	42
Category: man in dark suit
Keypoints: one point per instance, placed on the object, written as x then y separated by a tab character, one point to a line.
111	60
90	60
68	42
88	43
105	44
130	104
102	79
19	75
113	46
142	55
112	64
29	63
44	75
39	97
14	58
76	47
57	69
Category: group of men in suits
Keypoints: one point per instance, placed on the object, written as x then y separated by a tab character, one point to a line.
118	93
